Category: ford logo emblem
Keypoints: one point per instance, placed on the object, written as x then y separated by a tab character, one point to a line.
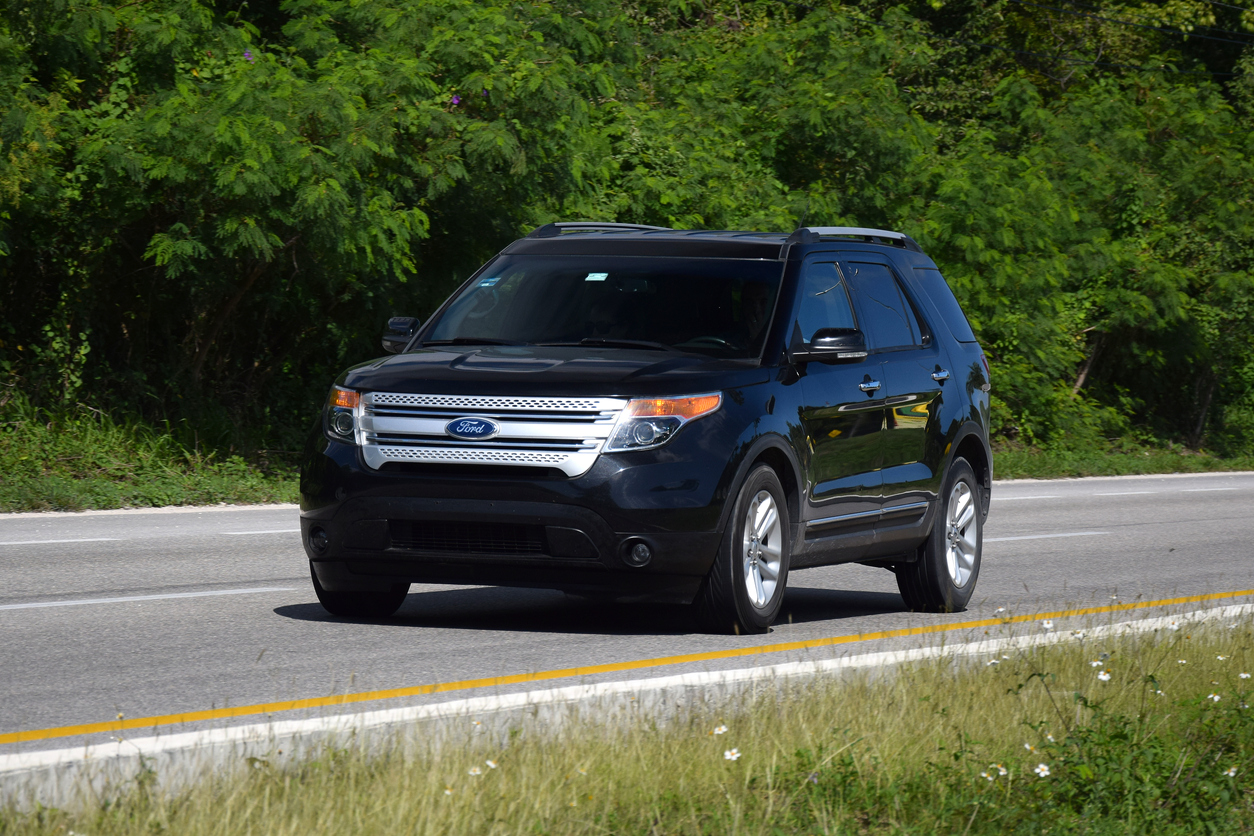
472	429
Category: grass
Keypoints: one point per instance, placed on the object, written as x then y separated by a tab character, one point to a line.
83	459
928	749
1108	459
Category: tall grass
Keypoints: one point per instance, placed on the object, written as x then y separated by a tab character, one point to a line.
926	748
78	458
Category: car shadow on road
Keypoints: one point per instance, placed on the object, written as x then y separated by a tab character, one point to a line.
807	604
546	611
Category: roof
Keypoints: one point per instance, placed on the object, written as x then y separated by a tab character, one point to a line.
590	238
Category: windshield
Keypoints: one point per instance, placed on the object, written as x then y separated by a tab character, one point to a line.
717	306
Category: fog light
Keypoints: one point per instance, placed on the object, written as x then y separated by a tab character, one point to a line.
342	423
318	540
638	553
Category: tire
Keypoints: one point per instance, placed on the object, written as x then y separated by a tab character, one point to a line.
943	576
745	587
367	604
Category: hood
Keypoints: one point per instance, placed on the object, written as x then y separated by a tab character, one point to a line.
552	371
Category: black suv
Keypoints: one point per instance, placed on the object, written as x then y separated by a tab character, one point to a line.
650	414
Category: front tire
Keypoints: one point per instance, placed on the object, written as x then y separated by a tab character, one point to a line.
942	578
364	604
745	587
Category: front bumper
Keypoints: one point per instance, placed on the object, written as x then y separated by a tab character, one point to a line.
366	529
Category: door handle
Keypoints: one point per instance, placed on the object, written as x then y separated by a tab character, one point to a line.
869	386
940	375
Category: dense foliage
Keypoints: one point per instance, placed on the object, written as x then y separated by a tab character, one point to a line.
207	208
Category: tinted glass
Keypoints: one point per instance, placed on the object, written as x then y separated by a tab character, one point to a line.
886	317
938	291
705	305
824	300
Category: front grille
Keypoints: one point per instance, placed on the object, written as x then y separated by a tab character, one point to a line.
562	433
466	537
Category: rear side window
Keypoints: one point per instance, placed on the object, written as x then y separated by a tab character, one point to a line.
888	320
938	291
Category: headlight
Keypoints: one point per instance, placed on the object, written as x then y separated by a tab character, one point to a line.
650	422
343	414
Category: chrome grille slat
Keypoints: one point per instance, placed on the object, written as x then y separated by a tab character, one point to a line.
460	402
495	444
564	433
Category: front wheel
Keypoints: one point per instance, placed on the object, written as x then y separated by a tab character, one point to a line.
745	587
364	604
942	578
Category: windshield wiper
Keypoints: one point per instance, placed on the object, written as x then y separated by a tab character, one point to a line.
610	342
472	341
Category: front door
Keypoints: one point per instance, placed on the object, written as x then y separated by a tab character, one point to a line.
843	421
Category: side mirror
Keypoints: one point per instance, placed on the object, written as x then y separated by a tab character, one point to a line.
833	345
397	336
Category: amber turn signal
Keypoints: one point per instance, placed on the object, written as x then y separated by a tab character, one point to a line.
686	408
346	398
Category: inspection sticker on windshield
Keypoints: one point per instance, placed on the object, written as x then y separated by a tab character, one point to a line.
596	277
489	282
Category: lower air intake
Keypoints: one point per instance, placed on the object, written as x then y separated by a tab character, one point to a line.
466	537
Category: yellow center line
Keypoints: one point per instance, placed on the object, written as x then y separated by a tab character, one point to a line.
564	673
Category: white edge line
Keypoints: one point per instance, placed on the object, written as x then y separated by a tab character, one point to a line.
267	531
354	723
80	540
163	509
130	598
1016	498
1045	536
1206	490
1125	493
1078	480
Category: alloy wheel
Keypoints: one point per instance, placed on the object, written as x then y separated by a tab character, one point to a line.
762	549
960	534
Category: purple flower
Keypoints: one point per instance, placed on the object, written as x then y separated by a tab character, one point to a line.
248	56
485	93
456	99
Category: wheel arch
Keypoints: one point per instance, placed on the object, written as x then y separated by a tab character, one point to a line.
771	450
971	445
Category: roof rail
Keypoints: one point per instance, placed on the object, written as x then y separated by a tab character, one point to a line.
899	239
554	230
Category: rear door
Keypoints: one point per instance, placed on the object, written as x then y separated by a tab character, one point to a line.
913	374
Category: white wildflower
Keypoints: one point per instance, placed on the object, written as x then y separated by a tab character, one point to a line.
731	755
1042	769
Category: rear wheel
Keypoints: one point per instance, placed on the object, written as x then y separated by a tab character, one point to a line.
942	578
363	604
745	587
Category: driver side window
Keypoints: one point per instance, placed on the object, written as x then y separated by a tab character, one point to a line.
824	300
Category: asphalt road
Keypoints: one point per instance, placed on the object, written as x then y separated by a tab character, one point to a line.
155	613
